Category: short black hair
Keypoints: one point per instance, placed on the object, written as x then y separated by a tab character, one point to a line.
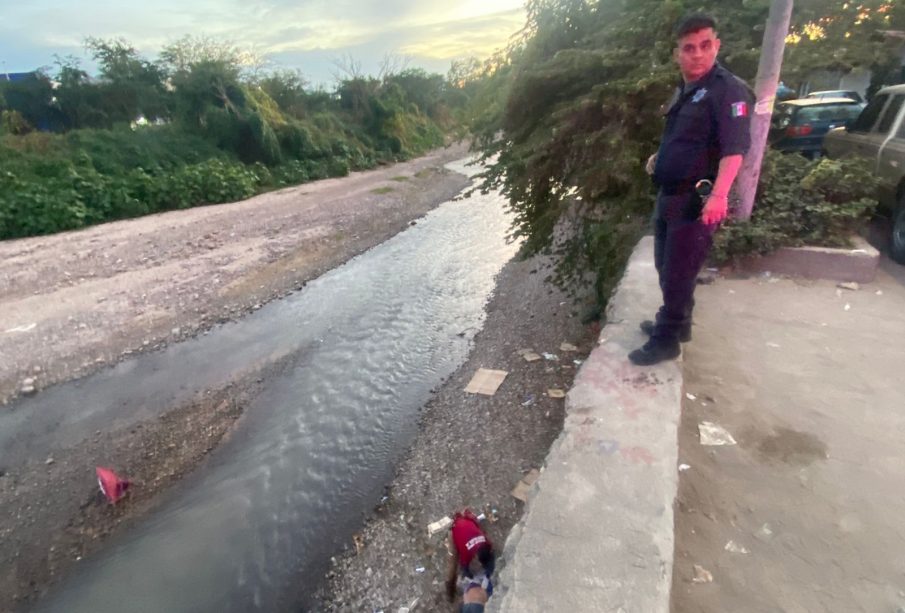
693	23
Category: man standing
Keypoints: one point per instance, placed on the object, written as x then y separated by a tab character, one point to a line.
705	139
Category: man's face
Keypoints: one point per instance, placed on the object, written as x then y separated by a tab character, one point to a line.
696	53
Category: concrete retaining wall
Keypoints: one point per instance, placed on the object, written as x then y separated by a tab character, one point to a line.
597	534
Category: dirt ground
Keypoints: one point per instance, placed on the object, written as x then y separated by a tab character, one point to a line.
471	450
804	514
73	303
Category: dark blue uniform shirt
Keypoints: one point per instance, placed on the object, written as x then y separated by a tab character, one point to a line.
706	121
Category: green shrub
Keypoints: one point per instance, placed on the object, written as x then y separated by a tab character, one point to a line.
820	203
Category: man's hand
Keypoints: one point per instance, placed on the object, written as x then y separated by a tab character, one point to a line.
715	209
651	163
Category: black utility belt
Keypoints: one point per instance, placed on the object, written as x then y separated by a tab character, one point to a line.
701	188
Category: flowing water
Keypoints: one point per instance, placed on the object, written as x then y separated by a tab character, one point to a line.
254	527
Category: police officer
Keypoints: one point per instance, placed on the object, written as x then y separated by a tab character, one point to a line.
704	141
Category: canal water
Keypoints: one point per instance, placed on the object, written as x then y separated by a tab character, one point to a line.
255	526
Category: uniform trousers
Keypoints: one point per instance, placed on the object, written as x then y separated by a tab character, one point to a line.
681	245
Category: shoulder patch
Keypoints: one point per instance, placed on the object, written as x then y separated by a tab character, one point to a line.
740	109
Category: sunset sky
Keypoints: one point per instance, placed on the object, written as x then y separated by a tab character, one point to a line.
305	34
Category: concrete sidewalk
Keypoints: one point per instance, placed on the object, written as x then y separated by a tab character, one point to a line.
810	380
597	534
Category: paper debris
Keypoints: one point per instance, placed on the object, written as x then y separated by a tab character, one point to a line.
879	292
713	435
848	307
556	393
602	341
531	356
419	569
486	381
773	345
852	287
701	575
733	547
25	328
524	351
439	526
551	356
691	396
567	347
683	467
578	362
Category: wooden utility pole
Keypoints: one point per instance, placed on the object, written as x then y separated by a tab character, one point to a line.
772	48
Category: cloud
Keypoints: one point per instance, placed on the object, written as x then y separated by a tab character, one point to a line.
427	30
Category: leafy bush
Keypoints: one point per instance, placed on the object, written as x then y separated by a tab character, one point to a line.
820	203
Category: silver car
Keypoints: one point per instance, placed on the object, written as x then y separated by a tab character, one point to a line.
879	134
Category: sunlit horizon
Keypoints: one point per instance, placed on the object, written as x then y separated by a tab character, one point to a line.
310	37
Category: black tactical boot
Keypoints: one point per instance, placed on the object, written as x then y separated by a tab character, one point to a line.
655	351
647	326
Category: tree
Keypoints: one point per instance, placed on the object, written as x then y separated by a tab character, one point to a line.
576	109
132	86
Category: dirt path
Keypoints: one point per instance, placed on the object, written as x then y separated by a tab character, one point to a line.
471	450
74	302
77	302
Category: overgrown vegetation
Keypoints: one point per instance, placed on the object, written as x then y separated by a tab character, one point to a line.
818	203
572	109
202	124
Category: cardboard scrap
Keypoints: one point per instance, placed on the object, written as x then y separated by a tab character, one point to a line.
439	526
486	381
713	435
531	356
521	489
556	393
568	347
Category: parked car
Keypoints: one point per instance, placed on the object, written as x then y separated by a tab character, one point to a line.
798	126
879	134
837	93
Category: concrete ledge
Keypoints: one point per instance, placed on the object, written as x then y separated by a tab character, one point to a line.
597	534
856	264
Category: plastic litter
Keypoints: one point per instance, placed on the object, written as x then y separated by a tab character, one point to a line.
691	396
486	382
879	292
848	307
773	345
701	575
713	435
551	357
733	547
439	526
419	569
529	400
112	486
683	467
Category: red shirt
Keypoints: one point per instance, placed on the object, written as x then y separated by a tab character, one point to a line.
468	538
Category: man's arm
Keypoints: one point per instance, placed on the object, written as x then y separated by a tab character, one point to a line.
452	571
717	205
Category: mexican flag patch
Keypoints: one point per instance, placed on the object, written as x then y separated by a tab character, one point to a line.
740	109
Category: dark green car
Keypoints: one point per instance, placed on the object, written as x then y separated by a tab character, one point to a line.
798	126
